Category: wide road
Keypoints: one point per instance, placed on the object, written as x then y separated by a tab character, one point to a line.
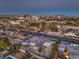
74	52
58	38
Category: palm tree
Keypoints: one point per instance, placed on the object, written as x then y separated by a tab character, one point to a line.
16	47
54	49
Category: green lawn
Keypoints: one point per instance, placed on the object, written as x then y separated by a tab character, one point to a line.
2	44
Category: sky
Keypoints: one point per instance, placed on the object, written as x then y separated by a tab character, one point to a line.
39	7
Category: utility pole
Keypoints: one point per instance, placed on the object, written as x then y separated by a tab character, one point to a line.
1	55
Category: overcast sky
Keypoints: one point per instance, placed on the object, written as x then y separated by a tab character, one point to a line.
39	7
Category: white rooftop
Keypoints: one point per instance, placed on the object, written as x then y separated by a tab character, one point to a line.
31	43
24	43
47	44
22	50
70	34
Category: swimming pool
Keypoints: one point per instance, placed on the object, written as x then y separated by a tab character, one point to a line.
8	58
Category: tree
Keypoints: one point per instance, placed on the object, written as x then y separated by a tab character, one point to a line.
43	26
6	41
40	49
14	48
28	55
66	53
54	49
53	27
2	44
